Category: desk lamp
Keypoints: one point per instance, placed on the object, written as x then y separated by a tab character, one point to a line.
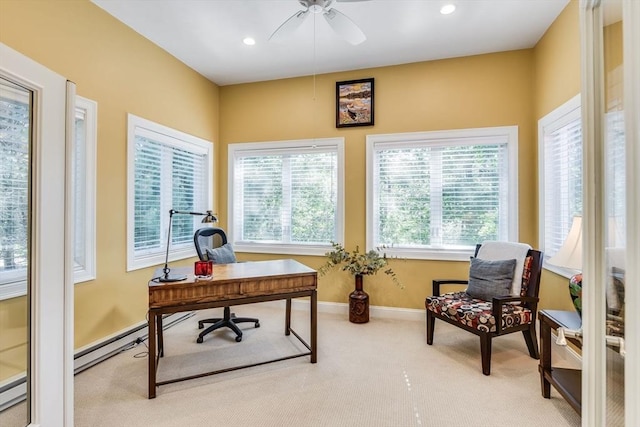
209	218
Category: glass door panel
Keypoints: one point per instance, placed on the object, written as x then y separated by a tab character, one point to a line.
15	178
615	206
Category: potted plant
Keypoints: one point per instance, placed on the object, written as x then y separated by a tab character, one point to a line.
358	264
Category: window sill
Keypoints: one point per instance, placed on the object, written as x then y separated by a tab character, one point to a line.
13	290
560	271
282	249
321	250
158	259
429	254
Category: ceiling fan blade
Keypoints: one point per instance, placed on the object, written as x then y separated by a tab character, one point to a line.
289	26
344	27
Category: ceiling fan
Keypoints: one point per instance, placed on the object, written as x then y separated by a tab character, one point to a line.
341	24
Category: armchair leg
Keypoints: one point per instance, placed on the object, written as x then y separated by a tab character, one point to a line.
430	325
532	342
485	351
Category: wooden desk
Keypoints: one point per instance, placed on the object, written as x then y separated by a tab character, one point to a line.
568	382
231	284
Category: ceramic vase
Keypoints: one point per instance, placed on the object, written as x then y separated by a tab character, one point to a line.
358	303
575	290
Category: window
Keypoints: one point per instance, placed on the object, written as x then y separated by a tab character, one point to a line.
560	171
167	169
615	161
435	195
15	125
84	189
286	197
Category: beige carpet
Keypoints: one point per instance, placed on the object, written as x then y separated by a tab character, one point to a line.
377	374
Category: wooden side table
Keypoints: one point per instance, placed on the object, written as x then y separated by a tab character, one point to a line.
568	382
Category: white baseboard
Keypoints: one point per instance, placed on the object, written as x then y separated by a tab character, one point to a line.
377	312
566	352
91	354
14	390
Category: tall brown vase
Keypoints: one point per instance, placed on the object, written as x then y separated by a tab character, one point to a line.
358	303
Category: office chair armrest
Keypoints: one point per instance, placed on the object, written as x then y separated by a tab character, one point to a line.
435	285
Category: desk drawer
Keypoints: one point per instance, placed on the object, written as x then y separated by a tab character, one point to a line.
278	285
161	296
177	294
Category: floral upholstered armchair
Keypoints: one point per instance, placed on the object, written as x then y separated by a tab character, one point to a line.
501	297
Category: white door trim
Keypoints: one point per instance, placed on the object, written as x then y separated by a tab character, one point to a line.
594	370
51	382
631	55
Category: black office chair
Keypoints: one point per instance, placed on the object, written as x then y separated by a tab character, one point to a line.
211	244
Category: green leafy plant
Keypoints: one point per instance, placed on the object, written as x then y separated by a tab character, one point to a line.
356	262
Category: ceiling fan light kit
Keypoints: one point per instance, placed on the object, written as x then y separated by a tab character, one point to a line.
339	22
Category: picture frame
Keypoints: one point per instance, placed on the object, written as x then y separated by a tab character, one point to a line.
354	103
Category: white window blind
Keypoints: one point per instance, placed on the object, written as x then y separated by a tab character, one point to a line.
560	134
168	170
15	128
286	194
615	181
442	191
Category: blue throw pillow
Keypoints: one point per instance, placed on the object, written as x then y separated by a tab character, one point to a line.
488	279
222	255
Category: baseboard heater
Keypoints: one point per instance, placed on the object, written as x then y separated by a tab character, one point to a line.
14	390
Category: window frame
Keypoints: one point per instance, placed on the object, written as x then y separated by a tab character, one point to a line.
561	116
285	147
508	133
177	139
88	271
18	288
14	282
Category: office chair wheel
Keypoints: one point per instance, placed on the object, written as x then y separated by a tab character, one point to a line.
239	338
257	324
199	340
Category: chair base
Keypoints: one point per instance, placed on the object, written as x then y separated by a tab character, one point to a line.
228	321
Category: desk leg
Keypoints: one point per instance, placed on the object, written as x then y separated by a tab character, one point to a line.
152	354
287	318
314	327
160	337
545	357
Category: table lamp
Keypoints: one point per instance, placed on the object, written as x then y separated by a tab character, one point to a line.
570	256
209	218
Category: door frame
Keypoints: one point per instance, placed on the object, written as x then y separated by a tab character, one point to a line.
50	377
594	372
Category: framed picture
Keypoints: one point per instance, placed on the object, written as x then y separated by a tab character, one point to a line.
354	103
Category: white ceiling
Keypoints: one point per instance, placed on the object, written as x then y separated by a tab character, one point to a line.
207	34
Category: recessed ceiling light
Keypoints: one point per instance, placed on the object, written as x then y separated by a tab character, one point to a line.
447	9
249	41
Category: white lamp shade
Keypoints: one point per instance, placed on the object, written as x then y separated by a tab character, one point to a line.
570	253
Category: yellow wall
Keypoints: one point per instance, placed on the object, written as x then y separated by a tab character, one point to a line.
557	80
613	63
13	335
124	72
470	92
